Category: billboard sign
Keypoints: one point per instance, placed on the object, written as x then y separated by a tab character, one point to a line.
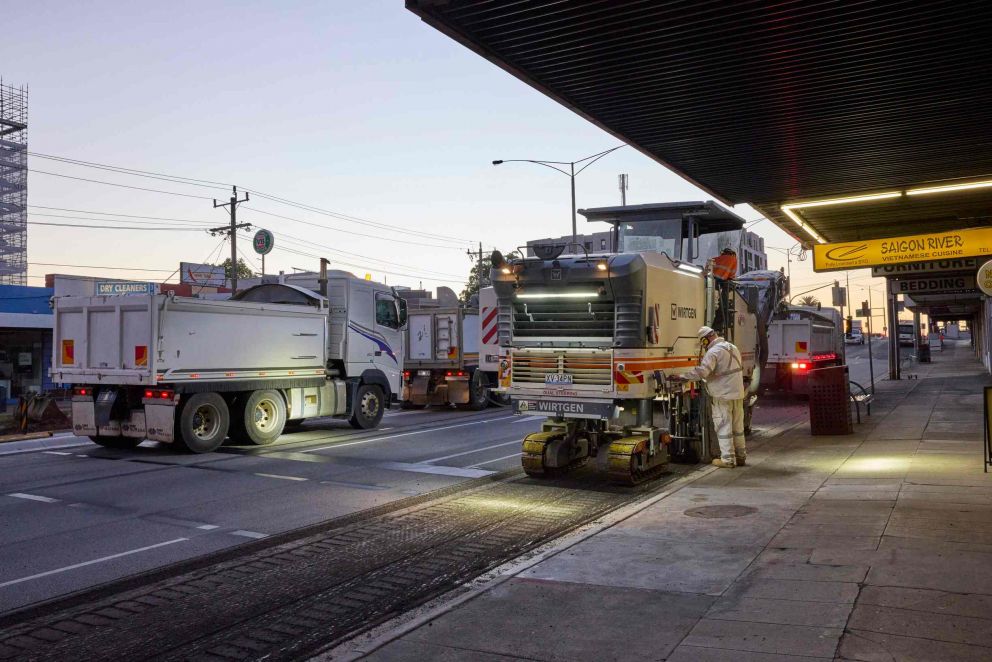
263	241
210	275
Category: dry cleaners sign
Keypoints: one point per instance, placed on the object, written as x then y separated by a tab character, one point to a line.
956	244
118	288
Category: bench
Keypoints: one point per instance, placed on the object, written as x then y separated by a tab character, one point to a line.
860	396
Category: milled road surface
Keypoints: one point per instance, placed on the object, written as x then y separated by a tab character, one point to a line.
77	515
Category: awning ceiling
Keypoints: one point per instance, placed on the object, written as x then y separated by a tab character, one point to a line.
769	103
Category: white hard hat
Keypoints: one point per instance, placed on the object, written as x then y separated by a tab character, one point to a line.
704	331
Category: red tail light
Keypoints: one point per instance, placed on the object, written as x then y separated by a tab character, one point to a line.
165	395
81	391
149	394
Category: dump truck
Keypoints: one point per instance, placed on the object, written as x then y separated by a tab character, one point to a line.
441	366
801	339
591	339
191	372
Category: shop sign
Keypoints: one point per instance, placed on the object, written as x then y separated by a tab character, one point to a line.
937	266
955	244
984	279
118	288
938	284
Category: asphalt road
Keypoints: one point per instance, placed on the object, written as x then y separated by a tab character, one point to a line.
74	515
857	361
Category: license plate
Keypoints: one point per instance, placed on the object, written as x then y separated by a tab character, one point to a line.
423	373
557	378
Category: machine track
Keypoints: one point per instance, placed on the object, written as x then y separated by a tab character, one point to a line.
302	593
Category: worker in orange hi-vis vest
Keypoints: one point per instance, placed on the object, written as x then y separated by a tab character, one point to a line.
725	264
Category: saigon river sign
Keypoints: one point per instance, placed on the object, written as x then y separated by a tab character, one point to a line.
971	242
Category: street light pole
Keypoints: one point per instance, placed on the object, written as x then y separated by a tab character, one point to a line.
571	173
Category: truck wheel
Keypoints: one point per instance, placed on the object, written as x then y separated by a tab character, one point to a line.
258	418
367	410
203	423
479	391
115	442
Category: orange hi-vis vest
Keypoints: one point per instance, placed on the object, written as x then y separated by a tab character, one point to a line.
725	266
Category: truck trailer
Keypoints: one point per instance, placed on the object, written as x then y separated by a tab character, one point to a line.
191	372
801	339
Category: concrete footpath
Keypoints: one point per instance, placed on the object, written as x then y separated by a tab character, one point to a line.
872	546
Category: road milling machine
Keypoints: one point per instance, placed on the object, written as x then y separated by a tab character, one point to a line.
589	340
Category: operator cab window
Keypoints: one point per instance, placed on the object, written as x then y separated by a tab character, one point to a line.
385	311
660	236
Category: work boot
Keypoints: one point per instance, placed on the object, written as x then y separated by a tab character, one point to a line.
718	462
741	461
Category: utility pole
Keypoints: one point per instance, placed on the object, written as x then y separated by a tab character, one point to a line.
478	267
232	232
623	190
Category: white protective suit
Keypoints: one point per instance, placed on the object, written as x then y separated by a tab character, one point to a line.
723	371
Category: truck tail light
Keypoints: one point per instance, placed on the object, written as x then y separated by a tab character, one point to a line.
82	390
800	366
406	375
157	394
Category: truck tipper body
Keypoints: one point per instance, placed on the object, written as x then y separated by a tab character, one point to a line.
192	372
801	339
442	357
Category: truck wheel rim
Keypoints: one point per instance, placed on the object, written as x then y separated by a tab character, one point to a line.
206	419
370	405
265	416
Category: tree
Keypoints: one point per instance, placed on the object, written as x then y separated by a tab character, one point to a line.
472	286
809	301
244	271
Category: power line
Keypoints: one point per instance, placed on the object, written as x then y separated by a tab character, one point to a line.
135	188
214	184
113	227
110	213
131	171
427	273
93	266
351	232
194	225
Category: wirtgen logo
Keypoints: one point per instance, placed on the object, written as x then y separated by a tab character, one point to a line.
847	252
683	312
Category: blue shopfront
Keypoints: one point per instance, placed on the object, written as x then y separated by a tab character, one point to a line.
25	340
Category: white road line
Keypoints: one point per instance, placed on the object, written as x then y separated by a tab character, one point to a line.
208	527
403	434
94	561
474	450
249	534
35	450
57	453
526	418
281	477
33	497
434	469
482	464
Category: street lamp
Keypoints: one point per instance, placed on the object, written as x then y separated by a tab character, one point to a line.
570	173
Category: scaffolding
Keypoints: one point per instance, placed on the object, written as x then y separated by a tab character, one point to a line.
13	184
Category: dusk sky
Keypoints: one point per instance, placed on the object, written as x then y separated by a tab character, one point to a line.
355	108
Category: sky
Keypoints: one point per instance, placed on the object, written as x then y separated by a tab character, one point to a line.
358	109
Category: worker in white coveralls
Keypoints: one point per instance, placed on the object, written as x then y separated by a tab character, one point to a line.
722	370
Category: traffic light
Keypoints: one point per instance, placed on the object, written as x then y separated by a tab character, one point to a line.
847	325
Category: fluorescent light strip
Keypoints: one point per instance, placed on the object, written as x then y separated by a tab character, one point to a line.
844	201
558	295
950	187
685	266
810	231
